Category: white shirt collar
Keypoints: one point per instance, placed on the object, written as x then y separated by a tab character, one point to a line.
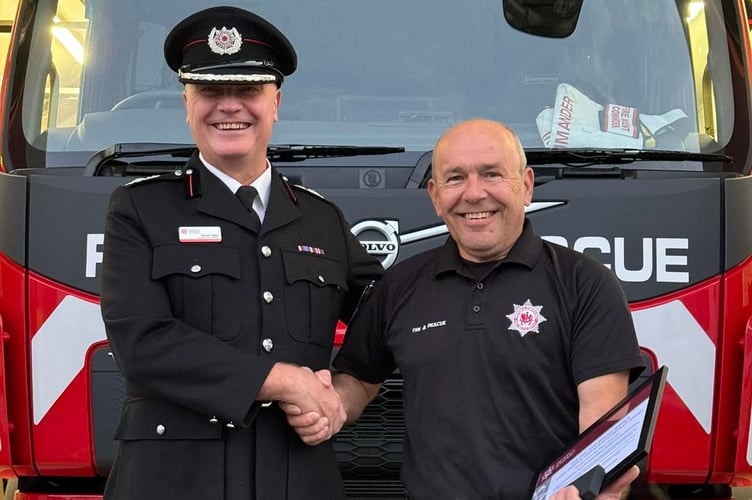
262	183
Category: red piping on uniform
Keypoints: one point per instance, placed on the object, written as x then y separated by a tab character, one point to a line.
257	41
292	195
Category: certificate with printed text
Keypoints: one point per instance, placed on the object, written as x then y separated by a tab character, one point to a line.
616	442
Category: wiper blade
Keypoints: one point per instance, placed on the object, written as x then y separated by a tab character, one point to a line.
297	152
152	158
172	153
585	157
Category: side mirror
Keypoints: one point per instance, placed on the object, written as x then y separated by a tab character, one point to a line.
549	18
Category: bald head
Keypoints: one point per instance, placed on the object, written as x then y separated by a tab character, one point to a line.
496	131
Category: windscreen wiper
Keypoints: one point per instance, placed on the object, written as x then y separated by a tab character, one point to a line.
133	159
587	157
141	158
298	152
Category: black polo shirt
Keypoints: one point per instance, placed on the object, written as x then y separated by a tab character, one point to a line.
491	358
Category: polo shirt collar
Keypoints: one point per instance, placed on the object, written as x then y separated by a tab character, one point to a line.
525	251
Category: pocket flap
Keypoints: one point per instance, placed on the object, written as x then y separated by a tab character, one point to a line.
316	269
195	260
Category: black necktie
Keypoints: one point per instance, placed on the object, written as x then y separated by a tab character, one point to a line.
246	195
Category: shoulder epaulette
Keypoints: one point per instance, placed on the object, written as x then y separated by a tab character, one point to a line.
171	176
189	176
290	187
308	190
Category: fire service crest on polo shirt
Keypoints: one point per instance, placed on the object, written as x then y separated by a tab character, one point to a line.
526	318
224	41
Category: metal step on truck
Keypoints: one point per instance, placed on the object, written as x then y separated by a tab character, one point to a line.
635	116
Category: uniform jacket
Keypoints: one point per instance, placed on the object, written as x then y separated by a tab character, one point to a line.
196	324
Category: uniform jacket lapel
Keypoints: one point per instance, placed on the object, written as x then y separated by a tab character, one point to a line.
281	210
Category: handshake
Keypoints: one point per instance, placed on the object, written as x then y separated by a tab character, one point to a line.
313	407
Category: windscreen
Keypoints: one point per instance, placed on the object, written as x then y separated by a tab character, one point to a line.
635	74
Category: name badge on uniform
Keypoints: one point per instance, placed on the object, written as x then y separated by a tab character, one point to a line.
200	234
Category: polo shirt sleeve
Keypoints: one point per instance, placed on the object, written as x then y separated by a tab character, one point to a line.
603	337
364	353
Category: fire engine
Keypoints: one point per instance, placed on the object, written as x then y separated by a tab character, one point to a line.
634	114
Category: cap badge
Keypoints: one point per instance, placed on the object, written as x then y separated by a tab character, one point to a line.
224	41
526	318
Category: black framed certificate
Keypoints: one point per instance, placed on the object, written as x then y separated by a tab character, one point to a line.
614	443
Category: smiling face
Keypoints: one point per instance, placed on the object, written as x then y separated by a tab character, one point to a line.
480	188
232	124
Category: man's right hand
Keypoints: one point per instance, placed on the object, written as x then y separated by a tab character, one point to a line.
312	428
315	427
301	392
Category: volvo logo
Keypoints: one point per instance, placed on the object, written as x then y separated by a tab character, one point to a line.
380	239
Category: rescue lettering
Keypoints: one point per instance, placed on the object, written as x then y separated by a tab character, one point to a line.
662	259
428	326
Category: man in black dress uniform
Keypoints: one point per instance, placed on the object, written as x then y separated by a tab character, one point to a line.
221	289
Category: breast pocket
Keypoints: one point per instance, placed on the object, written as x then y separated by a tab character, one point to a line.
315	289
203	282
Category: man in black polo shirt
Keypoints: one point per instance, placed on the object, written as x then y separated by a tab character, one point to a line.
509	345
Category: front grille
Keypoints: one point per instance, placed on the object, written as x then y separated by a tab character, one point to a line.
370	451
